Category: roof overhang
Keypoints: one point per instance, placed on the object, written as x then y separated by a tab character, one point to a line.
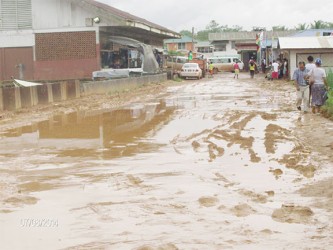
314	42
110	16
139	25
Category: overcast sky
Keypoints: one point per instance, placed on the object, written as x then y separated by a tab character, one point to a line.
178	15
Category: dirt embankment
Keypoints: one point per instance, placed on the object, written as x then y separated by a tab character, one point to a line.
26	116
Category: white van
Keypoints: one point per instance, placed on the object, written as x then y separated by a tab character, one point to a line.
225	63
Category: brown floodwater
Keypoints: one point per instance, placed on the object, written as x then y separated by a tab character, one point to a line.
213	164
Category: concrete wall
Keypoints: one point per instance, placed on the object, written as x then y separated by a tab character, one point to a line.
109	86
15	98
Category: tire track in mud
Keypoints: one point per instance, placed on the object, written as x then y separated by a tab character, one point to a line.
230	134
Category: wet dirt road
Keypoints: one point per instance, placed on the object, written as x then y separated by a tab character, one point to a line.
211	164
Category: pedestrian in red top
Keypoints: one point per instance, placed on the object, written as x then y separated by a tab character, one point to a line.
236	69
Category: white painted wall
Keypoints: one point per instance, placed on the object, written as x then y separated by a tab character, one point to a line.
10	39
49	16
52	14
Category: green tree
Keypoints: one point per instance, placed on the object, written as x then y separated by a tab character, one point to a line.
279	28
329	25
214	27
186	33
318	24
202	35
234	28
302	26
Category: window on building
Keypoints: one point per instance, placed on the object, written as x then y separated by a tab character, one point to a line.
181	45
233	44
15	14
221	47
327	33
205	49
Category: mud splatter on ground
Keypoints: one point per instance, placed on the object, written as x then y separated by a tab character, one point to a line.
219	163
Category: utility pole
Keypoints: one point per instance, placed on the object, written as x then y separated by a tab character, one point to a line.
192	39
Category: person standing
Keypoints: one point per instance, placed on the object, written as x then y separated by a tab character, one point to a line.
281	68
302	87
275	73
263	65
318	87
285	68
190	55
236	70
211	69
252	67
310	65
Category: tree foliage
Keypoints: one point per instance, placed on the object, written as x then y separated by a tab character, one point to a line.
186	33
301	26
318	24
214	27
279	28
234	28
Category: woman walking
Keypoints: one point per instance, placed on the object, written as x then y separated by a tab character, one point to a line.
318	86
252	67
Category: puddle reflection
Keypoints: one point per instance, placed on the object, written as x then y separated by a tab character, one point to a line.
121	132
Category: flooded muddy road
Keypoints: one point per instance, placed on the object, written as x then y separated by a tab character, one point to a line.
212	164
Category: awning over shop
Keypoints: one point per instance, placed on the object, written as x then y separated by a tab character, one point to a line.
125	41
126	56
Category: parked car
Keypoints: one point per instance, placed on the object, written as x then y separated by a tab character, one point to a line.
202	64
225	63
191	70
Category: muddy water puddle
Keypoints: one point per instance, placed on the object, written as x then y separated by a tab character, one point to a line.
214	164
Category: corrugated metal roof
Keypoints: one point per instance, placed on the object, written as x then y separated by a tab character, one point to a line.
125	17
314	42
184	39
247	35
313	32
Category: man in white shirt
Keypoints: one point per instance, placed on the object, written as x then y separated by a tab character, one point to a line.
275	73
310	66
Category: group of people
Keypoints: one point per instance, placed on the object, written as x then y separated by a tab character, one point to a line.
279	69
311	85
309	79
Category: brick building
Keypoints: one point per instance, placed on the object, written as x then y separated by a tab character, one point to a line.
64	39
183	44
